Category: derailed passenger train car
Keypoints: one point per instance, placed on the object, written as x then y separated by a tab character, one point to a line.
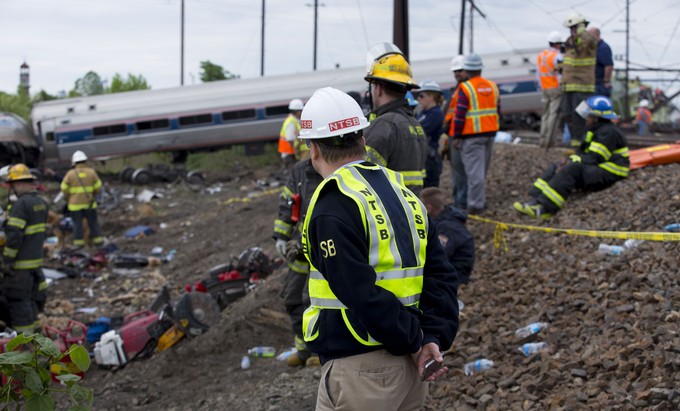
17	142
243	111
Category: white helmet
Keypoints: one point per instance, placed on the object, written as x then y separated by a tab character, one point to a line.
429	85
4	173
644	103
573	19
329	113
296	105
457	62
555	37
78	157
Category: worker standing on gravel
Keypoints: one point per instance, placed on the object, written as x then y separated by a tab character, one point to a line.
383	295
289	132
395	139
600	161
458	176
293	205
578	73
547	66
23	284
475	124
80	186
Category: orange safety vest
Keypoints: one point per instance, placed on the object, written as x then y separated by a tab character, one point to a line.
285	146
482	114
451	112
644	115
547	70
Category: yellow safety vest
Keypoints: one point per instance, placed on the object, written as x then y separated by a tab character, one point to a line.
285	146
406	283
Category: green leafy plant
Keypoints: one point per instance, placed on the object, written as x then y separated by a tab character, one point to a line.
28	378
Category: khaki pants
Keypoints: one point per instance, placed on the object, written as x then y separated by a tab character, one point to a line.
375	381
552	99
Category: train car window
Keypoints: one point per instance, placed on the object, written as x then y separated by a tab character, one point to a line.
504	62
49	136
238	114
153	124
108	130
197	119
92	107
70	110
275	111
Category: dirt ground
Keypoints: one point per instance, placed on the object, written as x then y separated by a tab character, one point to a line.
613	320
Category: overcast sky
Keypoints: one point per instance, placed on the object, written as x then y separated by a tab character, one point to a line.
61	40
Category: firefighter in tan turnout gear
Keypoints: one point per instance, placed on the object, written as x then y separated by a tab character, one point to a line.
80	187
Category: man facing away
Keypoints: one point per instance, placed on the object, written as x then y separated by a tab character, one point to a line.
289	132
395	139
547	71
383	295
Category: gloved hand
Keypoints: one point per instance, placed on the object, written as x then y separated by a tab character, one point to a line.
293	249
281	247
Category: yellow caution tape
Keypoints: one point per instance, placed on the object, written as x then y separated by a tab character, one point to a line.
251	196
501	227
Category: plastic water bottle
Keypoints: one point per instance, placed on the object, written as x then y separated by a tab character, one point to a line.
632	243
262	351
607	249
477	366
530	329
284	355
245	362
532	348
672	227
170	255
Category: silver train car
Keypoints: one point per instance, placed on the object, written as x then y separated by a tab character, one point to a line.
17	142
243	111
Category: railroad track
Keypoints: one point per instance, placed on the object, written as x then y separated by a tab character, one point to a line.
634	141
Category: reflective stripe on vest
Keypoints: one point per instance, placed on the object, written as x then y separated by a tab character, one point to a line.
482	114
285	146
547	72
396	225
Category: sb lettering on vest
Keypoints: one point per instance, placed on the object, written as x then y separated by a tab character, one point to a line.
345	123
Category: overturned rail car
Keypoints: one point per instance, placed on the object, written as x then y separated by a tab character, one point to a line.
17	142
243	111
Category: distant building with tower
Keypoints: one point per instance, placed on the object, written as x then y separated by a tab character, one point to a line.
24	77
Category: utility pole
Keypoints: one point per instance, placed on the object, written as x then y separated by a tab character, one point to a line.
316	27
400	26
262	44
462	27
181	49
473	8
626	108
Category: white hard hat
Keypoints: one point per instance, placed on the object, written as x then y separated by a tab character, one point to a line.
644	103
573	19
78	157
4	172
457	62
430	85
473	62
329	113
296	105
555	37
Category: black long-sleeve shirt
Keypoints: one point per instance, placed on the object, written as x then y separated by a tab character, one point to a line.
370	308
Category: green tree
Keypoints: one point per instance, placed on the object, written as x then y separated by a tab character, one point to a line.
88	85
120	84
42	95
214	72
17	104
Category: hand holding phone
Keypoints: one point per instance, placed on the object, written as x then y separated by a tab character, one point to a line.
431	366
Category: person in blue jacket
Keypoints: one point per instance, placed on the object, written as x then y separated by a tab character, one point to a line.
456	239
431	118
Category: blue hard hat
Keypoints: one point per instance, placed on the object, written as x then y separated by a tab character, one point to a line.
411	100
598	106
